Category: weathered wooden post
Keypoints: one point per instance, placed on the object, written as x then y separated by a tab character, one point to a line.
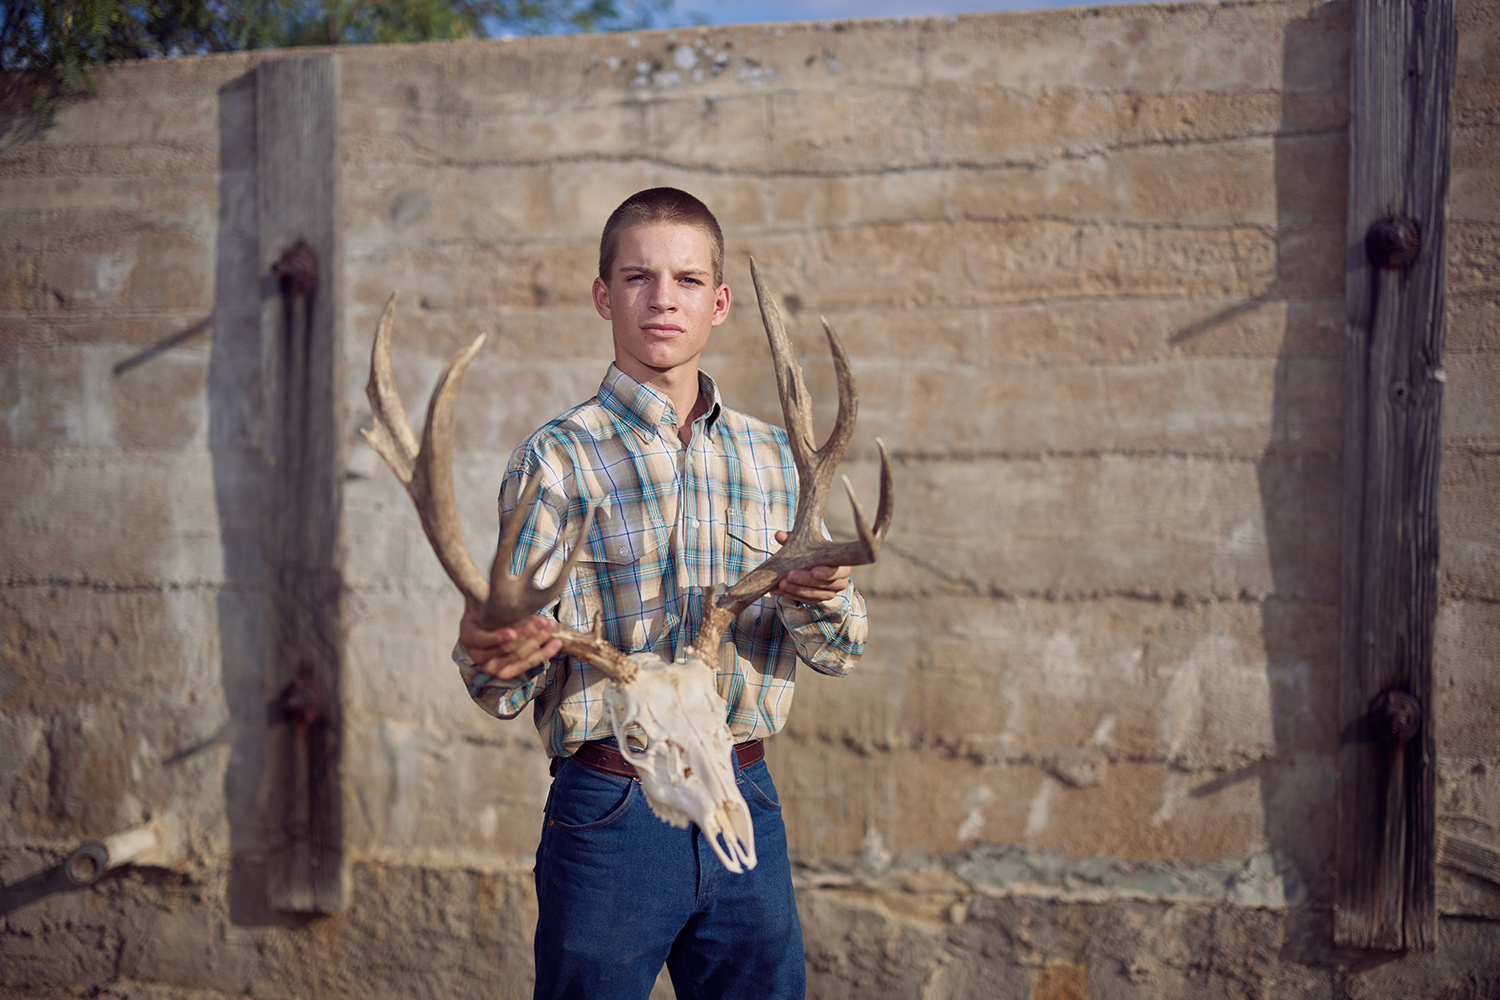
297	169
1401	82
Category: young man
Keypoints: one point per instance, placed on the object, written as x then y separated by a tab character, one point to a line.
692	493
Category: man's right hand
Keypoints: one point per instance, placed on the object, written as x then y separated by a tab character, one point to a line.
508	652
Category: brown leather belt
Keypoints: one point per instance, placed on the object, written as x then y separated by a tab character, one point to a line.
607	758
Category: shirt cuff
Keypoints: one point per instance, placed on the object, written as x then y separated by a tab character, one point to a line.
833	606
478	682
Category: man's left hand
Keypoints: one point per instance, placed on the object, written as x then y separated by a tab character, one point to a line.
812	586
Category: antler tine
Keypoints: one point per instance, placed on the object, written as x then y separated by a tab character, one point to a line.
427	470
431	485
427	474
796	405
873	537
391	437
512	598
815	465
805	547
833	449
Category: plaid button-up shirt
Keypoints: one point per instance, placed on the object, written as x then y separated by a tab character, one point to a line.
673	520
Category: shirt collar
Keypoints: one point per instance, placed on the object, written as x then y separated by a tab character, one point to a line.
645	409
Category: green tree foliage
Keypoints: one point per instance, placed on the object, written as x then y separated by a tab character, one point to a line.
59	40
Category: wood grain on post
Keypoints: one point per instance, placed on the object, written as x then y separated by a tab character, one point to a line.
297	174
1401	82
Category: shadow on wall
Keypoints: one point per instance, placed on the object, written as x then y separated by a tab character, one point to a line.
1299	477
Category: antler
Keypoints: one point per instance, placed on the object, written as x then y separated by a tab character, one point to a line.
427	473
805	545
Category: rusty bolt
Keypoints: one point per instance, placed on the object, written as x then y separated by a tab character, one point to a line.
1395	716
1392	242
297	269
303	700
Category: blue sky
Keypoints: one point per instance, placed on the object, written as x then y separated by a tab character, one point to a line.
761	11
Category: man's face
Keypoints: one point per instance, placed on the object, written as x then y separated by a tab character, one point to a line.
660	300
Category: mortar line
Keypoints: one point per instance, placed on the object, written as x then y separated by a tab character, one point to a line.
968	166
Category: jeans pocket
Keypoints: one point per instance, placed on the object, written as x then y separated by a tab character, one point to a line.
585	799
764	796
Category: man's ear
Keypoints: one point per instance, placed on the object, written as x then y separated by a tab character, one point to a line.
601	298
721	305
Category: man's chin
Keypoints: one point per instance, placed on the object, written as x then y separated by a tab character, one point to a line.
658	362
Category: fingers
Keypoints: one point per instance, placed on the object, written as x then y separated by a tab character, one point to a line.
812	586
523	659
474	635
510	651
815	585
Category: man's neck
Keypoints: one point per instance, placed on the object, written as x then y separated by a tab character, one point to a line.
680	386
699	406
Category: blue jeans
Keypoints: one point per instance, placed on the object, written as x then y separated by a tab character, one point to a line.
619	893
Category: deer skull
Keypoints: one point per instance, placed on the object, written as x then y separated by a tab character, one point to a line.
685	767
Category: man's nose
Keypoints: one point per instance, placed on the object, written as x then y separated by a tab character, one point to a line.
663	296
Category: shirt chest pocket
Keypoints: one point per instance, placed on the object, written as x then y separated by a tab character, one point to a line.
627	577
625	534
751	529
751	533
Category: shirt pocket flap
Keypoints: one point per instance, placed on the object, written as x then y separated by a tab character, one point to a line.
623	534
751	531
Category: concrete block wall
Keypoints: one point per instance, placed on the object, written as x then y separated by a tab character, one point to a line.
130	497
1095	386
1086	264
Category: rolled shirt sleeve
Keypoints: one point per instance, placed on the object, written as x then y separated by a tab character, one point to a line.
503	699
829	636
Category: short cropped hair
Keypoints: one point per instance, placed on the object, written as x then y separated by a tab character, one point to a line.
661	206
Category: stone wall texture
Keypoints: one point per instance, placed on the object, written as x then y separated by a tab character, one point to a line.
1087	264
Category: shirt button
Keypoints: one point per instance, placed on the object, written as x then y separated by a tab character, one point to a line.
622	550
